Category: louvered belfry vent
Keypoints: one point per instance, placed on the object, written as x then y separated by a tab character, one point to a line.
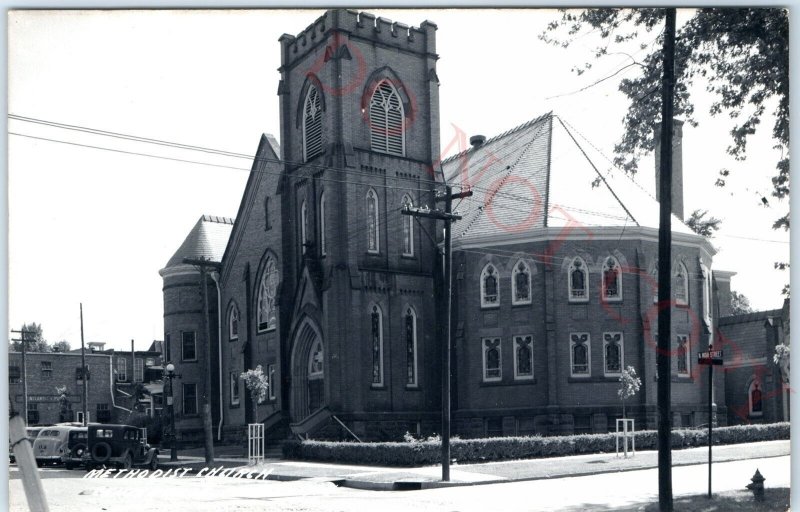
312	125
387	120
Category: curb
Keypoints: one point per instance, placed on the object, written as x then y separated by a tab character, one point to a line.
417	485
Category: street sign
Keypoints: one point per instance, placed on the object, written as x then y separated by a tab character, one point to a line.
712	357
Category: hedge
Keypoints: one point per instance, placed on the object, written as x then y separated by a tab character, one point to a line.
420	453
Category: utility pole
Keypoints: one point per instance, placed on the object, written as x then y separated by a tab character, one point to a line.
83	371
24	342
448	217
664	271
203	264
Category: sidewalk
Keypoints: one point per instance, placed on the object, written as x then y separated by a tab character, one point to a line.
385	478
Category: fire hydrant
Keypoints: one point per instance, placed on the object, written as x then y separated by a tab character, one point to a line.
757	486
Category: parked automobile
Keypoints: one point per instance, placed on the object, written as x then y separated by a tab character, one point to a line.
30	433
51	444
77	444
122	446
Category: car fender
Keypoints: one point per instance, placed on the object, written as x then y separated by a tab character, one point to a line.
152	452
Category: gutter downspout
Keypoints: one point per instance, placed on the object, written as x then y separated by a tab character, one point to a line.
215	277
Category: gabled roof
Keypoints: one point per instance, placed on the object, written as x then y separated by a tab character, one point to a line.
539	175
206	240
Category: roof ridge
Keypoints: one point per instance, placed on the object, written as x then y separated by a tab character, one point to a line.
506	133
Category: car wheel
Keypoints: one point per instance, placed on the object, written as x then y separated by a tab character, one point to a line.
127	463
101	452
69	465
153	462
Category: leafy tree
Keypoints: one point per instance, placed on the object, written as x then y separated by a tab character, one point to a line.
629	385
741	55
740	304
258	385
34	337
702	226
61	346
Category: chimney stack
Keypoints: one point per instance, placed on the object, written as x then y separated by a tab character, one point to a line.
677	165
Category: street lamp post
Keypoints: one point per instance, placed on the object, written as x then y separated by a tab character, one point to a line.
169	374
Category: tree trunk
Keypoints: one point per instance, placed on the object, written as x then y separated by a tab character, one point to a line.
623	408
255	410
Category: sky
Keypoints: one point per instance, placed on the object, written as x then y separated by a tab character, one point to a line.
92	221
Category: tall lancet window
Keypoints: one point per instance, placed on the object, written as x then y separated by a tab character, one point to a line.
387	120
408	229
376	331
323	238
312	124
410	323
304	226
373	227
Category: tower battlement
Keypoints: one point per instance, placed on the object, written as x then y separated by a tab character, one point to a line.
361	25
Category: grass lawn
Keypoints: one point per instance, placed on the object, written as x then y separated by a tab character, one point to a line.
774	500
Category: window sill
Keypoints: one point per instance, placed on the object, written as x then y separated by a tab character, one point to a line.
378	387
614	300
233	406
515	304
231	340
413	387
490	306
578	300
263	330
186	361
408	257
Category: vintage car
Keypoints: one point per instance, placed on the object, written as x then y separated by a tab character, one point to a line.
51	444
77	443
122	446
31	434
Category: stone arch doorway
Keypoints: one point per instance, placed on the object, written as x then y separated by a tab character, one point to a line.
308	371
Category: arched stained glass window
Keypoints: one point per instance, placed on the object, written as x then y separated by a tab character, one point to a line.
754	397
267	296
233	323
578	280
492	369
521	283
682	355
612	279
681	284
612	353
323	239
579	353
387	120
490	288
523	357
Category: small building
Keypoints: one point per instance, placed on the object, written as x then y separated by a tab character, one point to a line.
755	387
48	370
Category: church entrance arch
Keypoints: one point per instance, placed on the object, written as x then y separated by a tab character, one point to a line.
308	371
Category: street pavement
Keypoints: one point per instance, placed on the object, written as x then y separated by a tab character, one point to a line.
626	491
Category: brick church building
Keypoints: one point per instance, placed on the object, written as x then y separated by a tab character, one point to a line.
324	283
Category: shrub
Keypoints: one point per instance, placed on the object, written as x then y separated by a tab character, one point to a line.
415	452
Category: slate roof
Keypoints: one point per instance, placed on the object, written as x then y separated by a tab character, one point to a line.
537	176
206	240
749	317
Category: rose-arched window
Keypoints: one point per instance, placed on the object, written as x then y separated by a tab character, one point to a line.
754	398
376	341
681	284
410	328
233	323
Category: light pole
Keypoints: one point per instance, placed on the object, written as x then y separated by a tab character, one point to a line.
169	374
